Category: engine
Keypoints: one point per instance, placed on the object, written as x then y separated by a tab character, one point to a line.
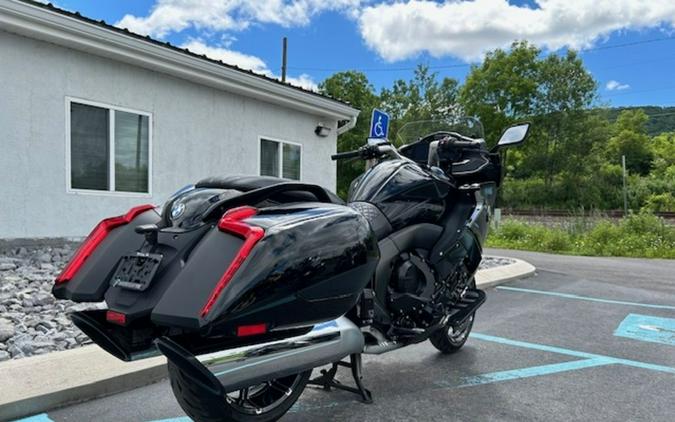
416	298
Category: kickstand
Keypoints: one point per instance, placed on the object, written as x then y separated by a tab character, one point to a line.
327	378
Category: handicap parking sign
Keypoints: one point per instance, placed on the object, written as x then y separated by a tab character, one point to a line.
379	124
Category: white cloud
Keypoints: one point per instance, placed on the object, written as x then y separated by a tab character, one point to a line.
467	29
245	61
168	16
616	86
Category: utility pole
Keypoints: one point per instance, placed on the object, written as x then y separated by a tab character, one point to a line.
625	193
284	50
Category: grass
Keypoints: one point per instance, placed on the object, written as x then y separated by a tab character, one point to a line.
638	235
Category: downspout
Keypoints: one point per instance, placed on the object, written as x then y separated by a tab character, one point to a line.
347	126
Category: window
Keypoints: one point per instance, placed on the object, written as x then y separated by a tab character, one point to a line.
280	159
109	148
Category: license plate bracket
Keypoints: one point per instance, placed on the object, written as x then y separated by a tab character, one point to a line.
136	271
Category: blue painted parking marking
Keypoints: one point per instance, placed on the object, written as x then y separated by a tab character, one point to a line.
588	298
647	328
569	352
532	371
42	417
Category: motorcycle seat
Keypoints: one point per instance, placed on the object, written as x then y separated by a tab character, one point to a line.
248	183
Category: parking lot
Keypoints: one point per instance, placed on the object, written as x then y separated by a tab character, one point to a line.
584	339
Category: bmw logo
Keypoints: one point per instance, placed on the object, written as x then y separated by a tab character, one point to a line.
177	210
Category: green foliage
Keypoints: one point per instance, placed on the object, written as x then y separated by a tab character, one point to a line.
659	202
572	158
503	88
639	235
661	119
421	98
630	140
354	88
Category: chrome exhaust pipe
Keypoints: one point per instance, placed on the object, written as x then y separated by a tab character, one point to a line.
232	369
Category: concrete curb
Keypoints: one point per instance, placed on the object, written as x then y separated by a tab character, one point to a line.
499	275
37	384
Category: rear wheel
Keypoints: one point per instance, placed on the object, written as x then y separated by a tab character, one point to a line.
450	339
257	403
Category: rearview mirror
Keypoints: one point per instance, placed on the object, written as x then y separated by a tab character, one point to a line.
514	135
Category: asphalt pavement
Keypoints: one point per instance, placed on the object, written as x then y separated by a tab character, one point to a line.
583	339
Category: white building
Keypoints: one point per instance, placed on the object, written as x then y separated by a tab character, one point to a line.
94	120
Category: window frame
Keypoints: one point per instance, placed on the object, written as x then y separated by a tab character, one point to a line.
280	151
111	147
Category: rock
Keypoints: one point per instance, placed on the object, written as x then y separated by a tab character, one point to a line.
4	356
15	351
6	329
59	337
47	324
42	299
24	344
32	322
42	329
6	266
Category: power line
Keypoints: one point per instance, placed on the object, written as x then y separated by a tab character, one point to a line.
381	69
466	65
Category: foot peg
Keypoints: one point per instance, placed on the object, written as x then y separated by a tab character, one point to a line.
327	378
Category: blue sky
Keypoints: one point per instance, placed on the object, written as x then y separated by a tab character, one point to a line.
386	40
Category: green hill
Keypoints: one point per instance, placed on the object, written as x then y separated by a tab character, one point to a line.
661	119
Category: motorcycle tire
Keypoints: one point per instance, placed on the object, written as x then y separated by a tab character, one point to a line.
448	342
204	406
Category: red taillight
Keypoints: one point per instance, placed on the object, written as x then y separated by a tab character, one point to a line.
116	317
95	238
231	222
251	330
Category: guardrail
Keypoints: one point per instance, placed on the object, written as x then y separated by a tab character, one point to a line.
670	215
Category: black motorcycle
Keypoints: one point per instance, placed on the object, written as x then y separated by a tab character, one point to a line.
247	283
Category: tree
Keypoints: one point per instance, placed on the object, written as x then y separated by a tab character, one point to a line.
630	140
354	88
503	88
421	98
552	92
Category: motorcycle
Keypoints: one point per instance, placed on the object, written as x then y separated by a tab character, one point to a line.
246	284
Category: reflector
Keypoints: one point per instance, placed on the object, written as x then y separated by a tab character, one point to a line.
251	330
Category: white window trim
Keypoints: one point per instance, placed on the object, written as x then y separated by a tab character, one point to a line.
111	158
280	151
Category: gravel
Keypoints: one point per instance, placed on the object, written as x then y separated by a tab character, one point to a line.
493	261
32	321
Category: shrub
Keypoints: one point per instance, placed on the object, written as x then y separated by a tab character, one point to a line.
638	235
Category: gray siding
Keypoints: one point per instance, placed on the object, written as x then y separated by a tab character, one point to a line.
197	132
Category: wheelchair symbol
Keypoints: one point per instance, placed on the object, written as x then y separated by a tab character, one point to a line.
378	130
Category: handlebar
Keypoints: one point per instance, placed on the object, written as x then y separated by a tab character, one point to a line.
367	152
344	155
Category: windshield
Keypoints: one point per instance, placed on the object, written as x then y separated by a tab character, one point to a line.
413	131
